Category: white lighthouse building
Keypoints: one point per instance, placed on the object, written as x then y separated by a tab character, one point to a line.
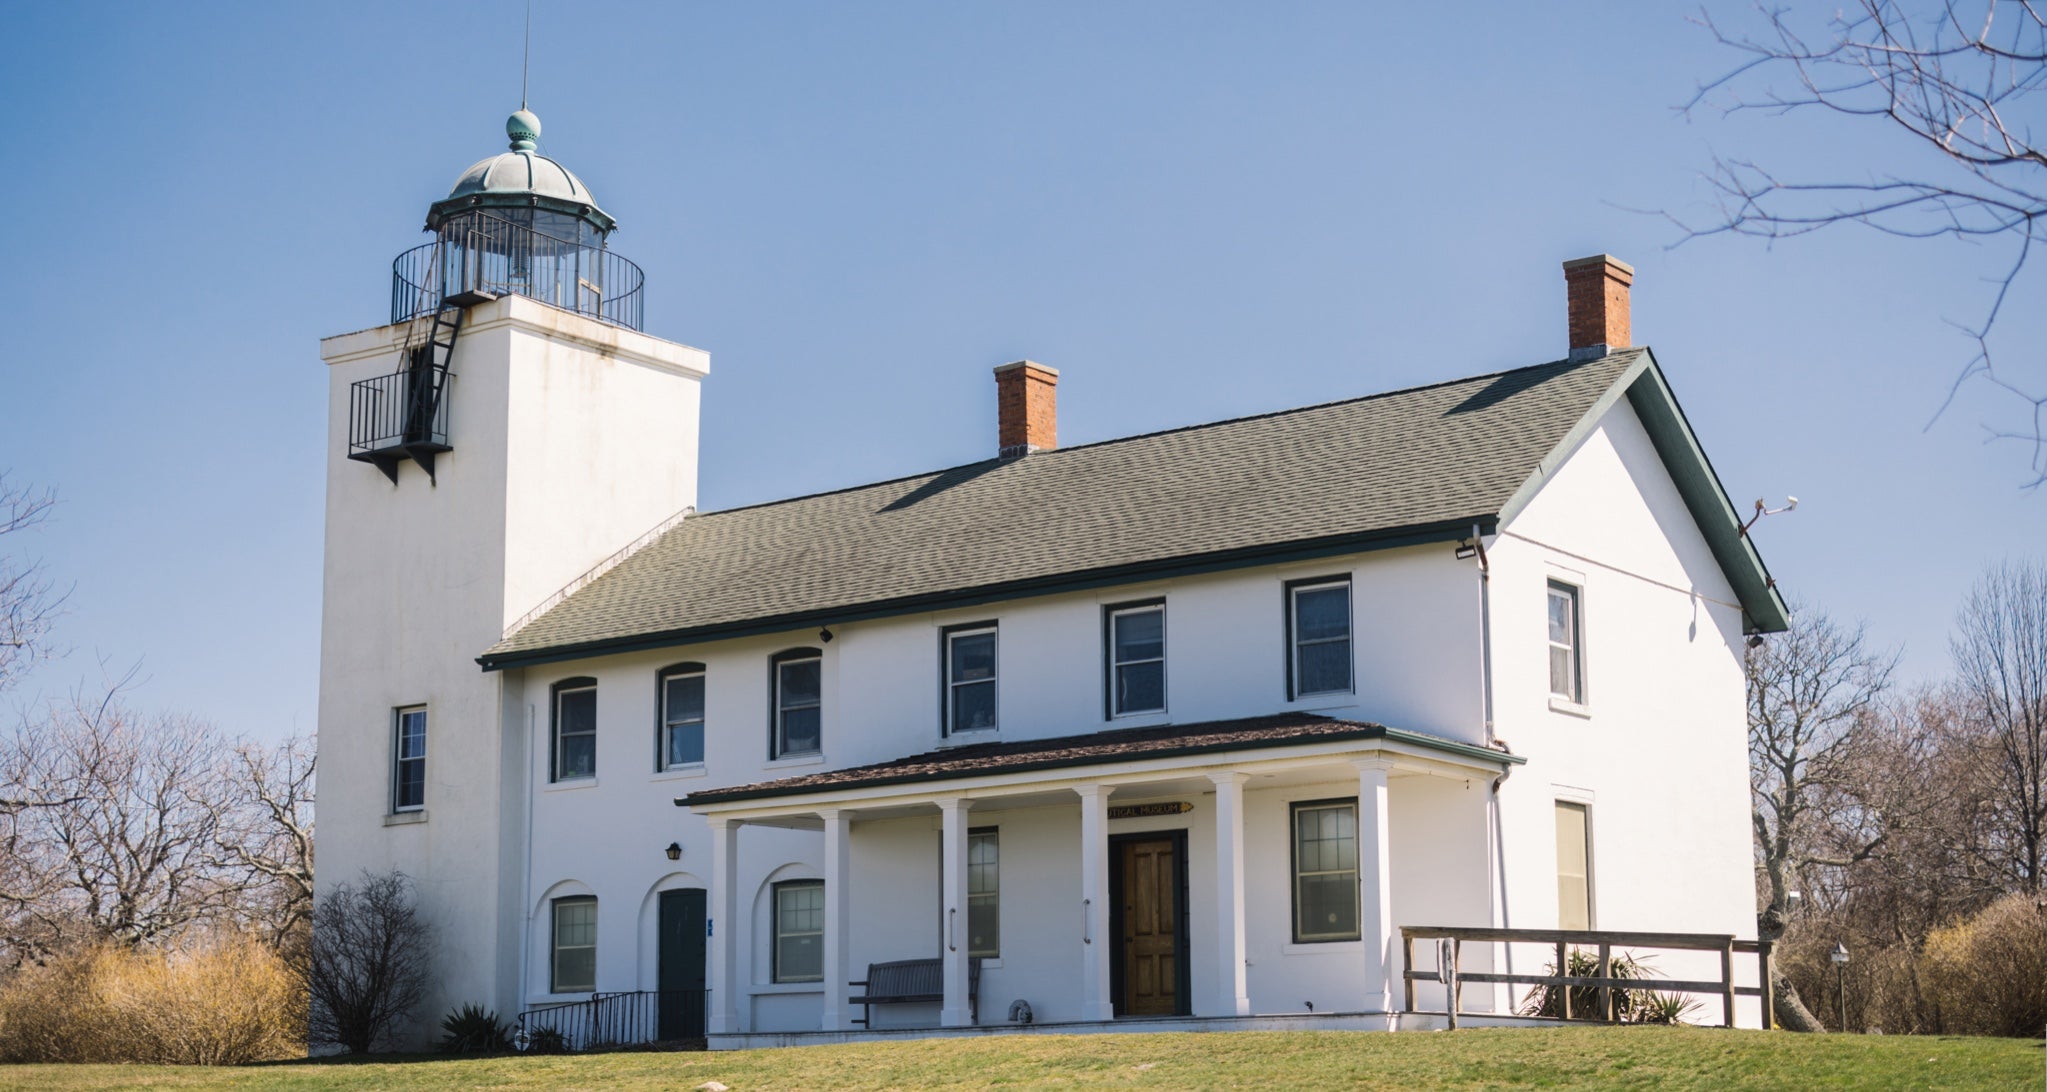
1172	730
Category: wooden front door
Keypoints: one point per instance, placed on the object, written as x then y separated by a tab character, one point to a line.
1150	929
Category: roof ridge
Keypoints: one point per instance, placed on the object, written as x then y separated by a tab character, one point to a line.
1057	451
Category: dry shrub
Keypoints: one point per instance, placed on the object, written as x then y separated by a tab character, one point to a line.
1988	974
225	1000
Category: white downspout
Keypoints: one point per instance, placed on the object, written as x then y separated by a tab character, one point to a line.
1497	836
526	911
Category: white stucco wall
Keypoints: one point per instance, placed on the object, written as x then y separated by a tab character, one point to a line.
421	576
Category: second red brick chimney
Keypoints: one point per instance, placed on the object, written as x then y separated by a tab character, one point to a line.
1026	408
1598	289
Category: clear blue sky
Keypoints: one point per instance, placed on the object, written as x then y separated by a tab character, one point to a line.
1194	211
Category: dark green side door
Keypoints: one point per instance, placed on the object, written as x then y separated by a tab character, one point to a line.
682	964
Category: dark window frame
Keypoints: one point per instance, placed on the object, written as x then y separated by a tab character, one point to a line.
1291	646
1109	613
1576	594
995	833
775	928
775	664
399	759
945	682
1293	867
554	725
554	943
661	722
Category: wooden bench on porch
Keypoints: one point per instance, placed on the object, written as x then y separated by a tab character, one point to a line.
912	981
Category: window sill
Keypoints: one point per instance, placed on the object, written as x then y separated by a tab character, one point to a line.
1146	717
568	784
680	773
1335	699
769	988
1324	947
795	760
405	818
558	998
971	737
1569	707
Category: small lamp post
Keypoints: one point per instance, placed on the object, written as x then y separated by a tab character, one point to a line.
1840	958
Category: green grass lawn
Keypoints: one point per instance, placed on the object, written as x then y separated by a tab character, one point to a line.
1676	1058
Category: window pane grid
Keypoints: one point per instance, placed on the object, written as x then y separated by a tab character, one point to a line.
576	733
575	946
682	719
799	706
970	681
1565	678
1326	872
1322	639
799	932
1138	660
408	790
984	921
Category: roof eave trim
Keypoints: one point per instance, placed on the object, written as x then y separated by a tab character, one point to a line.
1082	580
1649	393
1422	740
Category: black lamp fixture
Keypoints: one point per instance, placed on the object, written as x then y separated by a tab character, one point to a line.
674	851
824	634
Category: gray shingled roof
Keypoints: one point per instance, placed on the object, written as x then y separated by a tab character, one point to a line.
1098	748
1423	463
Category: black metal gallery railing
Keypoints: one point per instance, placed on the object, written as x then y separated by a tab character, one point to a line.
615	1020
403	409
481	255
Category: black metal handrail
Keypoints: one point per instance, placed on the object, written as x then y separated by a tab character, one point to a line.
396	411
615	1019
483	255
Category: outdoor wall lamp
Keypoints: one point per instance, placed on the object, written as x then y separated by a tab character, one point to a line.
1840	958
824	635
674	851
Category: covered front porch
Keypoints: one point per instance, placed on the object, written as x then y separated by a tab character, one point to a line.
1250	871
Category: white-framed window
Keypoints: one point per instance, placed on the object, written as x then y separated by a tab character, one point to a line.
969	678
1566	642
1136	655
1325	866
1574	865
984	892
408	759
574	754
799	931
681	741
573	967
797	705
1318	636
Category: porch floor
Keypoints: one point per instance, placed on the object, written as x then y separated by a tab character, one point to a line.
1288	1021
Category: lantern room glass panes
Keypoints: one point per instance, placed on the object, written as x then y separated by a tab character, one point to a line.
1566	645
1326	871
970	680
408	774
799	705
1321	638
799	931
575	945
682	719
575	732
1137	659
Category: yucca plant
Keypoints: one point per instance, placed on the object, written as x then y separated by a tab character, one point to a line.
473	1029
1549	1000
1663	1008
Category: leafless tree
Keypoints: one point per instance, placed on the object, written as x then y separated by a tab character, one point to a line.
1812	692
2000	654
371	955
264	828
1955	85
28	605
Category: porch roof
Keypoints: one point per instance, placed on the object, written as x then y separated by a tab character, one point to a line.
1095	749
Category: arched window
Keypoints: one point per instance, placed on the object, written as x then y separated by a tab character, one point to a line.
796	703
572	751
679	730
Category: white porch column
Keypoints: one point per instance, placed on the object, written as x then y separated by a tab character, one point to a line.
723	1018
1094	896
1375	882
1233	997
957	1011
838	899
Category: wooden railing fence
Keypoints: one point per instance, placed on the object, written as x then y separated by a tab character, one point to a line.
1452	975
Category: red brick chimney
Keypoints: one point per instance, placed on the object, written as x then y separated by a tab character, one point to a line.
1598	289
1026	408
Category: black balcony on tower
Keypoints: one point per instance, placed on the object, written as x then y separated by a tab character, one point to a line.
479	255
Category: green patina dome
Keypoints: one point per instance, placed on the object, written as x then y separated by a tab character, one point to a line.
521	178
